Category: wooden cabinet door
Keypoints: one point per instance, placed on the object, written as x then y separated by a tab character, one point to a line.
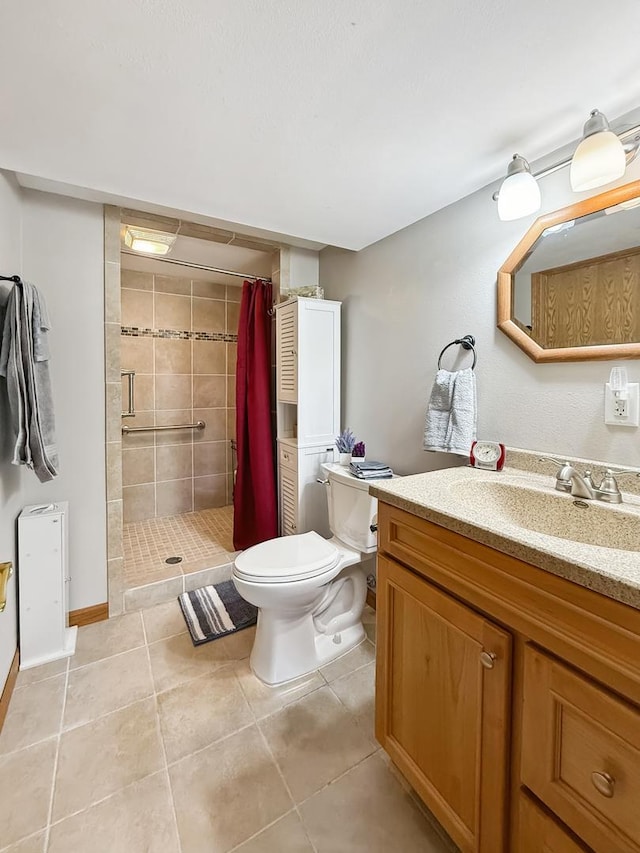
442	699
539	833
581	753
287	353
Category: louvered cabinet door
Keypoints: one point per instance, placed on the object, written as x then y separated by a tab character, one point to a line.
288	501
287	354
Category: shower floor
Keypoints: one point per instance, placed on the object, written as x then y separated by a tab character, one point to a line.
203	539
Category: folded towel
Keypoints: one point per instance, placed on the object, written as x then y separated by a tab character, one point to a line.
450	424
370	470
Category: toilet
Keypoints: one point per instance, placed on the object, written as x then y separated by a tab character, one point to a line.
310	591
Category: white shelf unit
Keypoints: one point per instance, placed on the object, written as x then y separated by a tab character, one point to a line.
308	408
43	584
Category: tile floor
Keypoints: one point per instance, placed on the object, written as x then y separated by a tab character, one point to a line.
143	743
203	539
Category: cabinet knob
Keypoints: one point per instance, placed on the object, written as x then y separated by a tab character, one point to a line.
293	352
488	659
292	526
604	783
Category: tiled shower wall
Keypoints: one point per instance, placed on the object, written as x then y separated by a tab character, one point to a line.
180	336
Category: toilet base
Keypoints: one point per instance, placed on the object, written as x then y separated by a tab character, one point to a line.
276	670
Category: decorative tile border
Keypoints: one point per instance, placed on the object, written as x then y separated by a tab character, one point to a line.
135	332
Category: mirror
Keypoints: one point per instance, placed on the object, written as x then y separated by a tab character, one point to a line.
570	290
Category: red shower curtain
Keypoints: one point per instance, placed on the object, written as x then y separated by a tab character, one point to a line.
255	515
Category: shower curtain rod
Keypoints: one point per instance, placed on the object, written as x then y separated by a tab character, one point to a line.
201	267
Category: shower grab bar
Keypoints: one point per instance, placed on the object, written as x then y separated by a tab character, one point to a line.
199	425
131	408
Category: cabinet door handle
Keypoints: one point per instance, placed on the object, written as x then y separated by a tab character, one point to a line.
488	659
604	783
292	526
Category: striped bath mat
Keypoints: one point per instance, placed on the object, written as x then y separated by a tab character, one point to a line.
215	611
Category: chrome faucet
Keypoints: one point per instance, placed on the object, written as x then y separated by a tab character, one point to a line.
582	486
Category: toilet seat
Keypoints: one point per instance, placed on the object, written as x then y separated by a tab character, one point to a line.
287	559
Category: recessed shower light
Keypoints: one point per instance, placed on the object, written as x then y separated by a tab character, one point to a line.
148	242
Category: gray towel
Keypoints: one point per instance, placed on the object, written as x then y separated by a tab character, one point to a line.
24	362
450	425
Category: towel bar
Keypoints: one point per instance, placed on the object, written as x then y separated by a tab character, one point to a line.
199	425
466	342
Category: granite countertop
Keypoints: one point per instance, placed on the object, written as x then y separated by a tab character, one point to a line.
493	508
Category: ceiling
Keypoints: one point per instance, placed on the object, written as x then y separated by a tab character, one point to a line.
338	122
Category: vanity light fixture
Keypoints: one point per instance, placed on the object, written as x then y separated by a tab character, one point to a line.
519	194
600	158
148	242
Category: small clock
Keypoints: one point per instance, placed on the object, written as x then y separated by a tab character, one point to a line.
488	455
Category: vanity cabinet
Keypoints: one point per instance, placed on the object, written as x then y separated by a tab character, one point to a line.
508	697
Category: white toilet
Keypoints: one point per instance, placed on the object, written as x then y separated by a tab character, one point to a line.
311	591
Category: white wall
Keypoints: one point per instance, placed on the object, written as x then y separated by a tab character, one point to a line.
410	294
12	479
63	256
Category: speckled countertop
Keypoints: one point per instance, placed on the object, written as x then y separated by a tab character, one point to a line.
518	512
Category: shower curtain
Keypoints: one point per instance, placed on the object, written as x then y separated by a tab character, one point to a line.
255	517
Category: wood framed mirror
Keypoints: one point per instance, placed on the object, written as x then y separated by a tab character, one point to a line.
570	290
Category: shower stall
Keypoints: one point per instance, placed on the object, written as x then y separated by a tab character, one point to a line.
178	347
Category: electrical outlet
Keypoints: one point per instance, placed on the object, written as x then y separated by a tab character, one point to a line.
619	411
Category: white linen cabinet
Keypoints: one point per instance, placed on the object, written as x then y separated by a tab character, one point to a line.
308	408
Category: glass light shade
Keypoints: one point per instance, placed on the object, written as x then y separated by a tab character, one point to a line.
519	196
599	159
148	242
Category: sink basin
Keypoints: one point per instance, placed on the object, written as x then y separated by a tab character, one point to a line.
550	513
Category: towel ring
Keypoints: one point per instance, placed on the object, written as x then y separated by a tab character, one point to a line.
467	342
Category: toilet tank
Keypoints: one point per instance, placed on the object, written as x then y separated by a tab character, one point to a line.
352	510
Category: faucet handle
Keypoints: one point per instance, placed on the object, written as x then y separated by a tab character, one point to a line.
559	462
563	483
611	473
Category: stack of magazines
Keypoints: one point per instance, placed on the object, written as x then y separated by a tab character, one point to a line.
370	470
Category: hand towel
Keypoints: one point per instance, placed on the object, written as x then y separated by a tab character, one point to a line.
450	424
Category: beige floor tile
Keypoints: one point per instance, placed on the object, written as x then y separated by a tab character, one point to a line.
370	631
34	844
107	638
369	622
368	810
98	759
266	700
34	714
361	655
39	673
357	692
226	793
26	779
137	819
163	620
286	836
201	711
176	660
107	685
314	741
239	644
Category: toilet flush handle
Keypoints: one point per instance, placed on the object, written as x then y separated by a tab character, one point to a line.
322	482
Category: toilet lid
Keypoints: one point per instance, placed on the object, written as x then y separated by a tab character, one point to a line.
305	555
